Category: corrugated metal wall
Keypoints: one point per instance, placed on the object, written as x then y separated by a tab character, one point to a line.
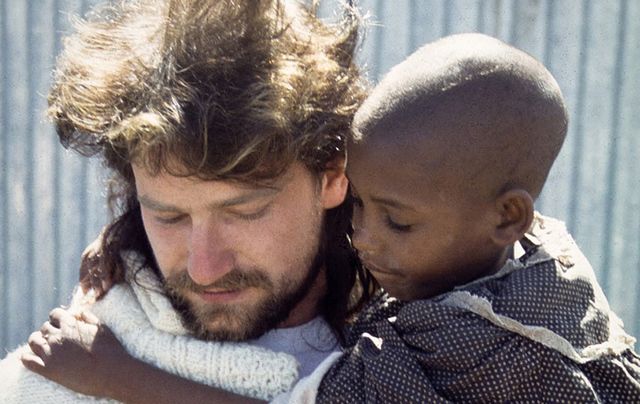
51	202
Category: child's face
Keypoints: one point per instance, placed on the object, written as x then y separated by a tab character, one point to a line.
414	229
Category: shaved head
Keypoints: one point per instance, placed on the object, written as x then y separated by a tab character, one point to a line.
488	114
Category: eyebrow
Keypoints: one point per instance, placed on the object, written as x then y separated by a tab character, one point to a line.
392	203
247	197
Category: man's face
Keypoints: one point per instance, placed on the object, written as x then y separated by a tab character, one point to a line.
237	260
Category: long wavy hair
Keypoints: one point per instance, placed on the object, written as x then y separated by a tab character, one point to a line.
233	90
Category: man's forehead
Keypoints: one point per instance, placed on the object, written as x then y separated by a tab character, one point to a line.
176	175
161	203
164	191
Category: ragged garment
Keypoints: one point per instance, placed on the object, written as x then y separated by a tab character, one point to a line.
539	330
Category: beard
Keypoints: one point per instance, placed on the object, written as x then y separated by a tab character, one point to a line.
240	322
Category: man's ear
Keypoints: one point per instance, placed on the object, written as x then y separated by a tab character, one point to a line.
515	212
334	183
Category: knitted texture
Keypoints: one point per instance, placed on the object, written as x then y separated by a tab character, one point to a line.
144	321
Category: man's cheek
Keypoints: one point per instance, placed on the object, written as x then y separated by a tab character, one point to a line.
167	254
165	238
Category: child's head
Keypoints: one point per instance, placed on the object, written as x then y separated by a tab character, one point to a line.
449	152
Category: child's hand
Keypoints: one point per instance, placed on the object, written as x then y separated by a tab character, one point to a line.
77	353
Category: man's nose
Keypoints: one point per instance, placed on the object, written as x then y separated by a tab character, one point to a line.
210	257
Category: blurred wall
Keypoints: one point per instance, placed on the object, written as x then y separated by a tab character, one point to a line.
52	202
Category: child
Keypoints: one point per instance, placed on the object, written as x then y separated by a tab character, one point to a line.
498	304
487	301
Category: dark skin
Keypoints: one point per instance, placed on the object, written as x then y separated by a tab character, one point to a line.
82	355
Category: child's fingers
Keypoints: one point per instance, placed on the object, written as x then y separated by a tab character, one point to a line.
89	318
39	345
59	316
32	362
48	329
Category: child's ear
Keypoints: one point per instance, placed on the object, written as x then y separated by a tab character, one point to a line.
515	210
334	183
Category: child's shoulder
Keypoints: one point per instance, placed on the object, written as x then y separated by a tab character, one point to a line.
549	295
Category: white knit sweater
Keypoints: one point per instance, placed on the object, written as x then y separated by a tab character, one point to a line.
150	329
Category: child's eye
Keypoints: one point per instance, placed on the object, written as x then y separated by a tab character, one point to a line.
397	227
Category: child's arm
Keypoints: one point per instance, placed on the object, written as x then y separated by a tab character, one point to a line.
85	356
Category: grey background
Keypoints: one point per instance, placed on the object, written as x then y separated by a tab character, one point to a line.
52	201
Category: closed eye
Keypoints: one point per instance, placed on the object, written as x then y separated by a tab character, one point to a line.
397	227
260	213
169	220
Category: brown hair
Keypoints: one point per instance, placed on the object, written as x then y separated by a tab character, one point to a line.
220	90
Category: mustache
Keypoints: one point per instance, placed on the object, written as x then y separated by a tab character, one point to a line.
234	280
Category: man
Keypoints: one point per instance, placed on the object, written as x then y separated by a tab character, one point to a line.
224	125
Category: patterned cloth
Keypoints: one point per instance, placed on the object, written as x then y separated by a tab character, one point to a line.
539	330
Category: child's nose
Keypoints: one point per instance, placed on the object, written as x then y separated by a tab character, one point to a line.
362	238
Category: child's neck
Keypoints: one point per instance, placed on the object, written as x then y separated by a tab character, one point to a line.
508	253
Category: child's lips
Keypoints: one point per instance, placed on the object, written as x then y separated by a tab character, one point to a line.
376	269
